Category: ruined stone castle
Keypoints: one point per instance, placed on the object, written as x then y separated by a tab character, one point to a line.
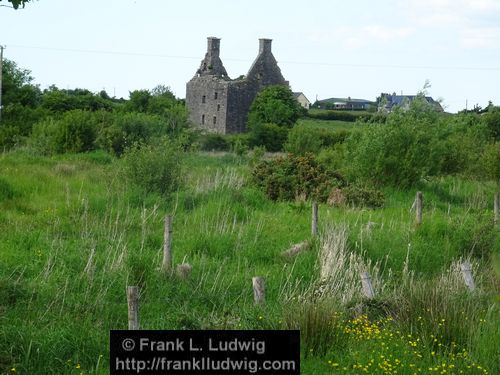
219	104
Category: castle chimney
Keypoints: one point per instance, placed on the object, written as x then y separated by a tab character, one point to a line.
265	45
213	46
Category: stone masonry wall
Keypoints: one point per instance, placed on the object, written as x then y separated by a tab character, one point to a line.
206	99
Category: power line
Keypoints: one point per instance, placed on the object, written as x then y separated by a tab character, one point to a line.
348	65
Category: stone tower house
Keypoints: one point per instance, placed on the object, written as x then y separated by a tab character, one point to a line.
219	104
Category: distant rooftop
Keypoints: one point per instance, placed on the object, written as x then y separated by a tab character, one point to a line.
344	100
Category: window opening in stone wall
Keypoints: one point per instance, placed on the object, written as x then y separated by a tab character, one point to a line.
203	119
215	120
218	107
203	99
216	94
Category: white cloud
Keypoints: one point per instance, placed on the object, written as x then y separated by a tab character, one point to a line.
483	37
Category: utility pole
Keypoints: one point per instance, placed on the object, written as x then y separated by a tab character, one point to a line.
1	70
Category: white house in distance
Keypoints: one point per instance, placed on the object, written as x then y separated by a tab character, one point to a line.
301	98
344	103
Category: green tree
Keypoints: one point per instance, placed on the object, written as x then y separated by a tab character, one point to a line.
492	120
59	101
276	105
162	102
272	113
20	100
17	3
17	85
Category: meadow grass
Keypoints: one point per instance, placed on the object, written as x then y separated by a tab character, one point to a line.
328	124
75	234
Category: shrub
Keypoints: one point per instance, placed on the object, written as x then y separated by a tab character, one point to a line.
491	161
125	129
214	142
408	147
9	137
457	145
240	143
271	136
43	135
303	139
292	176
332	157
74	132
365	197
154	167
389	155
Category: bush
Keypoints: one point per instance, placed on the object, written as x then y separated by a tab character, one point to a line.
271	136
332	157
10	137
154	167
43	135
287	178
303	139
74	132
396	155
364	197
214	142
410	146
491	161
457	145
124	129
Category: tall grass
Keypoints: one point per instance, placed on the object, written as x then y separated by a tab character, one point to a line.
75	234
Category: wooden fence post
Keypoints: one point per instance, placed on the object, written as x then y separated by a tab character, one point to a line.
133	307
184	270
366	281
314	222
259	290
167	244
418	207
496	208
467	275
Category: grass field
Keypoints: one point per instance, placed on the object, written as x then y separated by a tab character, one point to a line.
327	124
75	234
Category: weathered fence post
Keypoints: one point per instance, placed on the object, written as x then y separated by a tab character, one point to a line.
314	222
467	274
184	270
259	290
366	281
418	207
167	244
496	208
133	307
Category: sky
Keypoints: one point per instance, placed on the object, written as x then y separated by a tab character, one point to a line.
325	48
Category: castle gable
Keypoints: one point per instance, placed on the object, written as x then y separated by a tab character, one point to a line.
212	64
265	68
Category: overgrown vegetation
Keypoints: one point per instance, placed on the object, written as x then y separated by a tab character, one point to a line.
86	181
